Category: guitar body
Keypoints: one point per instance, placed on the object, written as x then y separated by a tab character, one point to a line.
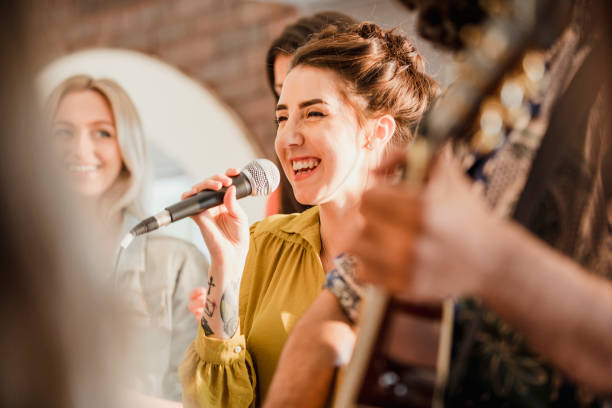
402	355
402	367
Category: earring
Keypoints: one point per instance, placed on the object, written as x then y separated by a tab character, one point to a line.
369	146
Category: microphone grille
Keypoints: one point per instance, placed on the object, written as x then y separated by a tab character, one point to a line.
263	176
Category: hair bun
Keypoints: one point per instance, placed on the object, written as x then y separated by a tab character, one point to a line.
398	47
368	30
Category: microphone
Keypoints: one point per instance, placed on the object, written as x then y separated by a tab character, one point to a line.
259	177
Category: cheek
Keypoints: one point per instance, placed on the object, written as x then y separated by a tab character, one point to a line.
109	150
277	146
61	146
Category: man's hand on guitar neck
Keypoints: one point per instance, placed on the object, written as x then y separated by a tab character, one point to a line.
444	242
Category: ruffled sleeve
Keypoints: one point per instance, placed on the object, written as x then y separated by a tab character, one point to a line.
218	373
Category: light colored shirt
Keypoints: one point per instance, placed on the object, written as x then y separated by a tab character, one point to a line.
154	277
282	277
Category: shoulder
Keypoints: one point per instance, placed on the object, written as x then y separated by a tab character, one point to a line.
272	224
282	224
301	228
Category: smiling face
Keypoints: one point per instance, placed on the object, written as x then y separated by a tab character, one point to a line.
85	136
319	141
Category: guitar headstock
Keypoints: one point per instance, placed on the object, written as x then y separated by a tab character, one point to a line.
500	70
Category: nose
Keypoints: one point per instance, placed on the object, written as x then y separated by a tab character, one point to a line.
83	145
290	135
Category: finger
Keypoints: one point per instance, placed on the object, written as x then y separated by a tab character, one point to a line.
232	172
224	179
208	184
446	175
197	292
198	313
393	205
231	203
188	193
369	262
196	308
394	164
386	262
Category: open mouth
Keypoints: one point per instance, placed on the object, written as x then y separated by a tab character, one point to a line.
82	168
305	166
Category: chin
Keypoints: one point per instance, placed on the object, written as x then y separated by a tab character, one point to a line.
304	199
89	191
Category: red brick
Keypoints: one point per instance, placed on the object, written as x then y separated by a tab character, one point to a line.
258	13
189	53
174	32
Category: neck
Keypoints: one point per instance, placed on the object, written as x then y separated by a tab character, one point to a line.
337	221
111	224
340	218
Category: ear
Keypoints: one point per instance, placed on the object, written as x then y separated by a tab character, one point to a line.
384	129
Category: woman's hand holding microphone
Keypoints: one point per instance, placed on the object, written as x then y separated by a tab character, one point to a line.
225	231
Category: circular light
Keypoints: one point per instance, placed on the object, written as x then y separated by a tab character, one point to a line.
491	121
534	66
512	94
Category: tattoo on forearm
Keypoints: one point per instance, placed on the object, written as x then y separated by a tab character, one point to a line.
207	330
209	307
210	285
228	311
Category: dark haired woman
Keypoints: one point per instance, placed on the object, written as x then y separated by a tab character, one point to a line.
277	65
333	131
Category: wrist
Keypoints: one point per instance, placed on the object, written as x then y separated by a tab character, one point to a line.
220	317
497	250
225	271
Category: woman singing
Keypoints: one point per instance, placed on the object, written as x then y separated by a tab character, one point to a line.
350	97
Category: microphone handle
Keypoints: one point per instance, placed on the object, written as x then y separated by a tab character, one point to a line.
208	199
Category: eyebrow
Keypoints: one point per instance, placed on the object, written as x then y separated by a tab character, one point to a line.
97	122
303	104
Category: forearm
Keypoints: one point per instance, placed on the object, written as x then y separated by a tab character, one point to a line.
319	343
220	314
564	312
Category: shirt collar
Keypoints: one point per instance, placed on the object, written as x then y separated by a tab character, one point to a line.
132	257
307	226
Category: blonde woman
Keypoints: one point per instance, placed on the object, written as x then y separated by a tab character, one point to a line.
98	134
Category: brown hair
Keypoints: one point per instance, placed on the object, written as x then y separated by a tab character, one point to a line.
292	38
298	34
379	66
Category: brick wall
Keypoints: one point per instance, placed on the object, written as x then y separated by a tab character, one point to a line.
221	43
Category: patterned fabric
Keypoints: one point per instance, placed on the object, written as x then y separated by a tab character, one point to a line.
572	218
341	282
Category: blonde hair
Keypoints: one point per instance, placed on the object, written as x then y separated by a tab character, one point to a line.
126	192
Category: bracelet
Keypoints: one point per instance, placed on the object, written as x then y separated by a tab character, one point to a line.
341	282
